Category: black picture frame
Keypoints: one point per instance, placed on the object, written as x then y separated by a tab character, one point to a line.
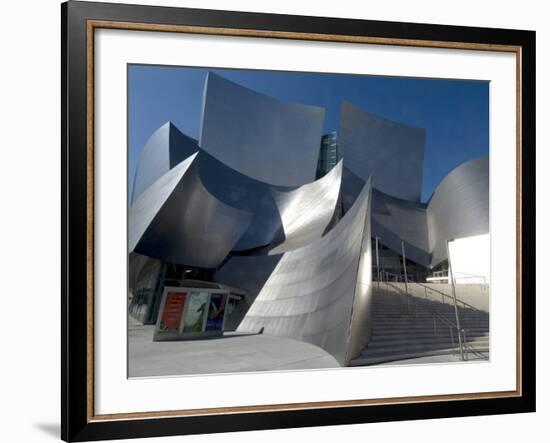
77	423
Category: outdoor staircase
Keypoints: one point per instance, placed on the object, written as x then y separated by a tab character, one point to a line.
407	327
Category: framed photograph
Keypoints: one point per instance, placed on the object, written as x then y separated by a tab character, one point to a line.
277	221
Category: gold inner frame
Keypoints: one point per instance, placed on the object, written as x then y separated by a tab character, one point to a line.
96	24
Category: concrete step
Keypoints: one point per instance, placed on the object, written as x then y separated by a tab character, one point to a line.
392	341
400	307
373	360
419	316
410	342
427	318
380	334
420	335
419	311
419	347
421	302
403	328
424	308
419	323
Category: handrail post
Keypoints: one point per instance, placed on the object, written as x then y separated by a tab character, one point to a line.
405	273
452	337
377	263
404	265
454	301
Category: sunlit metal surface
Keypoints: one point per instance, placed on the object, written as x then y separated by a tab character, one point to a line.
391	153
459	206
167	147
283	217
246	203
310	294
306	212
177	220
262	137
280	217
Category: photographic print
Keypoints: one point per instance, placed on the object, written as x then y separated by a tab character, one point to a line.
285	220
277	221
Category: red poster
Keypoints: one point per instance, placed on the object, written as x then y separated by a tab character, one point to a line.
173	309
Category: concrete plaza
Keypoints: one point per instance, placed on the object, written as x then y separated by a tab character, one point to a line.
231	353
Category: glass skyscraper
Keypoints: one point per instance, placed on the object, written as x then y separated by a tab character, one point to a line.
328	154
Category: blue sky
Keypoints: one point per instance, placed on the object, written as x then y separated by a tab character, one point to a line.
455	113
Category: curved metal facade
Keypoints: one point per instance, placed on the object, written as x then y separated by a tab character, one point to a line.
351	188
307	211
459	207
248	272
283	217
394	220
320	293
245	194
391	153
245	203
204	194
177	220
166	148
254	133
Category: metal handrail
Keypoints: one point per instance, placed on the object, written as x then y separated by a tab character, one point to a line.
444	319
445	273
469	306
452	326
461	332
473	350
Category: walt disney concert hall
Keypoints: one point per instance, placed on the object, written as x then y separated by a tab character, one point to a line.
267	225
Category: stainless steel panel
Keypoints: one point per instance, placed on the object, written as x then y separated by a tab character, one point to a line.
177	220
248	273
459	207
391	153
166	148
310	294
278	215
283	217
255	134
395	219
306	212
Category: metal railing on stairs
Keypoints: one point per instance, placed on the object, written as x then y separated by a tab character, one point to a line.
462	346
467	309
448	298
